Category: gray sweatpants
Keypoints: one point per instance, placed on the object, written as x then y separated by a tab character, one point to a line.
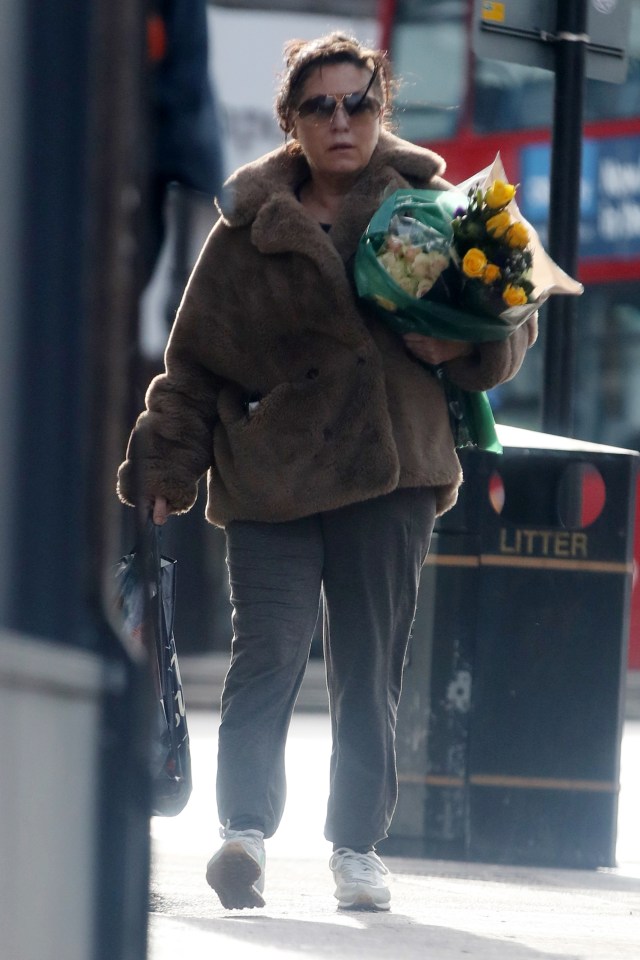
366	560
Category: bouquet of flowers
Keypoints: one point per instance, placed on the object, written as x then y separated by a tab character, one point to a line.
460	264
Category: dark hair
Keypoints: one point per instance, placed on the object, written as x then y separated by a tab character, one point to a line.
303	56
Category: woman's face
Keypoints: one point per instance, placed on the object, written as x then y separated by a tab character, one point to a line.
335	143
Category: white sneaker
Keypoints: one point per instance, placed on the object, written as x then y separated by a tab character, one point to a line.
236	871
359	880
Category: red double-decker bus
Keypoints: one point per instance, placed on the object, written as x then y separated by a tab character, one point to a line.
469	109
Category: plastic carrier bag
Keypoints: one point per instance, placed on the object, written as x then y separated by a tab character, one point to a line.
146	593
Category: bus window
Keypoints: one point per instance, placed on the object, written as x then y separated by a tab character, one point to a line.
429	60
511	96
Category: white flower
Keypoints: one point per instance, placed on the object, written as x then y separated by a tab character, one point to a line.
429	265
394	266
408	284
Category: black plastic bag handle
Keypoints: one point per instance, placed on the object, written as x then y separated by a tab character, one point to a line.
153	552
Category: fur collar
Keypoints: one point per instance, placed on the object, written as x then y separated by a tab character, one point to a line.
254	184
262	193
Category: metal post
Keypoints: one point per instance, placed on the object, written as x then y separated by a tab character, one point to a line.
564	216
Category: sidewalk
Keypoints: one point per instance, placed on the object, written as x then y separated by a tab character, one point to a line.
440	910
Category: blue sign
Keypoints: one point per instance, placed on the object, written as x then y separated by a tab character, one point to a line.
609	195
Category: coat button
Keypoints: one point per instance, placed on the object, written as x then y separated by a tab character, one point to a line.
361	360
313	373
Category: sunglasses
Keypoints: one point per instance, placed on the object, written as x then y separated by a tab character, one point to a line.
359	106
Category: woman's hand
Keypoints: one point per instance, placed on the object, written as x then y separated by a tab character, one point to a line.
160	511
434	351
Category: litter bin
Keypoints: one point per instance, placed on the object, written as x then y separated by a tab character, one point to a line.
510	722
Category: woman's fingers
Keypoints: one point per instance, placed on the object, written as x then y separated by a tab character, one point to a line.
160	511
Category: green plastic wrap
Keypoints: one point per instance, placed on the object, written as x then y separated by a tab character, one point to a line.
470	415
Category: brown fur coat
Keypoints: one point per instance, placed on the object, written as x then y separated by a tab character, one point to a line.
346	412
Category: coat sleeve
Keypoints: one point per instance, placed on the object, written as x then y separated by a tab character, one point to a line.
493	362
171	445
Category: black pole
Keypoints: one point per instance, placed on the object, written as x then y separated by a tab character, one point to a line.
117	152
564	214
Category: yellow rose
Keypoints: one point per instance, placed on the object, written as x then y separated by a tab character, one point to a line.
491	273
514	296
499	224
474	262
499	194
517	236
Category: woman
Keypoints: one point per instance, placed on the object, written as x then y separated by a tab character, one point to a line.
329	454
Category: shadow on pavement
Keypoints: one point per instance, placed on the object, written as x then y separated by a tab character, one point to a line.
374	935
